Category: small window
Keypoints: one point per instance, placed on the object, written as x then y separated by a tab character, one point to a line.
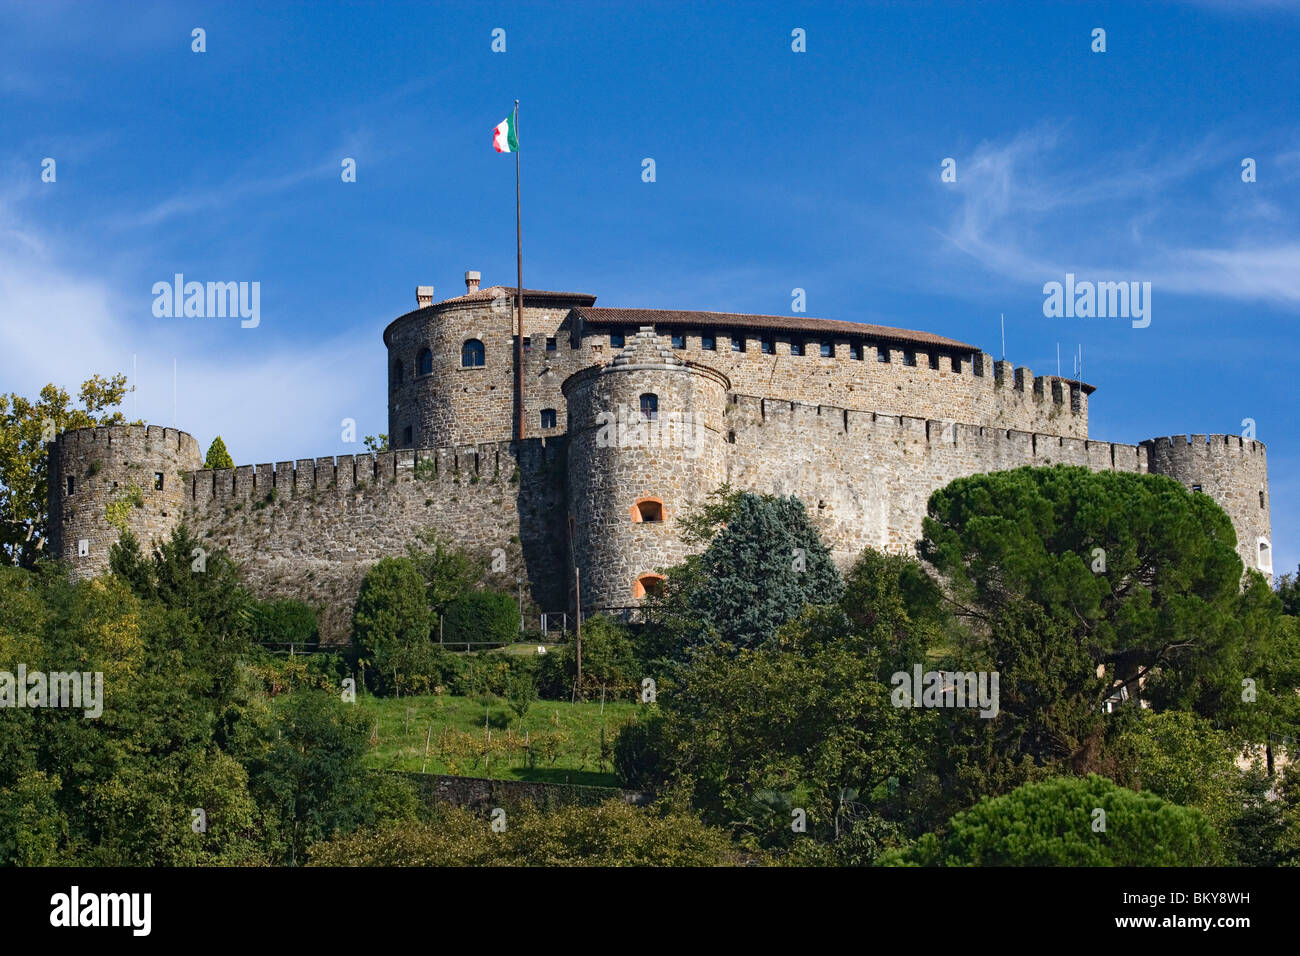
855	351
882	353
648	585
424	363
679	340
71	484
650	406
708	343
767	346
83	547
1196	488
616	340
548	418
472	354
1265	556
737	344
398	373
550	343
828	350
408	436
796	347
157	481
909	358
1261	499
528	343
648	509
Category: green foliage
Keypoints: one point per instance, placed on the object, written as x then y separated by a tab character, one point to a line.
612	834
217	456
609	663
390	623
1288	591
485	617
744	735
375	445
1051	824
25	427
764	562
284	621
447	572
118	511
310	779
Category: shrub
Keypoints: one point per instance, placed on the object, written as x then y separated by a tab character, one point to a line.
286	621
481	617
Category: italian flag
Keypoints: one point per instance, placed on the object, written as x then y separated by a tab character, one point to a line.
504	137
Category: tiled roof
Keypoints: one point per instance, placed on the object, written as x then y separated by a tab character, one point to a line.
492	291
788	323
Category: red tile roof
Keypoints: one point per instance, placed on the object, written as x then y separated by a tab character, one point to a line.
787	323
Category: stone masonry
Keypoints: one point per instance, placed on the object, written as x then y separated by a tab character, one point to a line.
631	418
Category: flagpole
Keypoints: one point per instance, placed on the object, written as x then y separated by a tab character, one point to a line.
519	297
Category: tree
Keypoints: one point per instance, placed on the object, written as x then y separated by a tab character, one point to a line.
1134	573
764	562
447	571
375	445
1288	589
391	619
1056	823
25	429
217	456
803	722
611	834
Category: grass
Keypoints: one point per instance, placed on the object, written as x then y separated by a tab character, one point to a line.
559	742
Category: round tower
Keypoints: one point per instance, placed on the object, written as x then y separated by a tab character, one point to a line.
135	474
1234	472
645	442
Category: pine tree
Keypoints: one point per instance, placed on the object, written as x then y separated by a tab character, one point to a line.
218	457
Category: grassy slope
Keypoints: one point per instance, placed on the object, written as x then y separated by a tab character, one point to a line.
565	737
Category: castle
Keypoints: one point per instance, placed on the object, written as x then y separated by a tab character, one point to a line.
630	417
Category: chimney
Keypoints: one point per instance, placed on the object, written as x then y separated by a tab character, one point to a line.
471	282
424	296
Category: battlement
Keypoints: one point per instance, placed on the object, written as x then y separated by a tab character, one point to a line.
1206	445
488	461
100	436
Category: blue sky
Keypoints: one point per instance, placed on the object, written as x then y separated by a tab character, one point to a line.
774	170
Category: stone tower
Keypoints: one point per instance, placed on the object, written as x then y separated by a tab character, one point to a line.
142	469
646	436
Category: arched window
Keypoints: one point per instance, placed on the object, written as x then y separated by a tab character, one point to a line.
648	584
424	364
398	373
648	509
1265	556
649	406
471	354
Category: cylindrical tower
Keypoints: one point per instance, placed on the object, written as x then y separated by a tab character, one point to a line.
135	473
645	442
1234	472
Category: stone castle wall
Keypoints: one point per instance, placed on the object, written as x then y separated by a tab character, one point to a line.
453	405
866	478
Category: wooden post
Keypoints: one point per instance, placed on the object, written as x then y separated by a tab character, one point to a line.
577	587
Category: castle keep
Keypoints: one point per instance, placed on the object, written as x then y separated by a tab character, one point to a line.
630	418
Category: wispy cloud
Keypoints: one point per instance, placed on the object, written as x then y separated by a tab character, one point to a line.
1031	210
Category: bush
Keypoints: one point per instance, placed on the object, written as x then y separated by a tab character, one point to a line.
284	622
609	662
481	617
639	753
1051	824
